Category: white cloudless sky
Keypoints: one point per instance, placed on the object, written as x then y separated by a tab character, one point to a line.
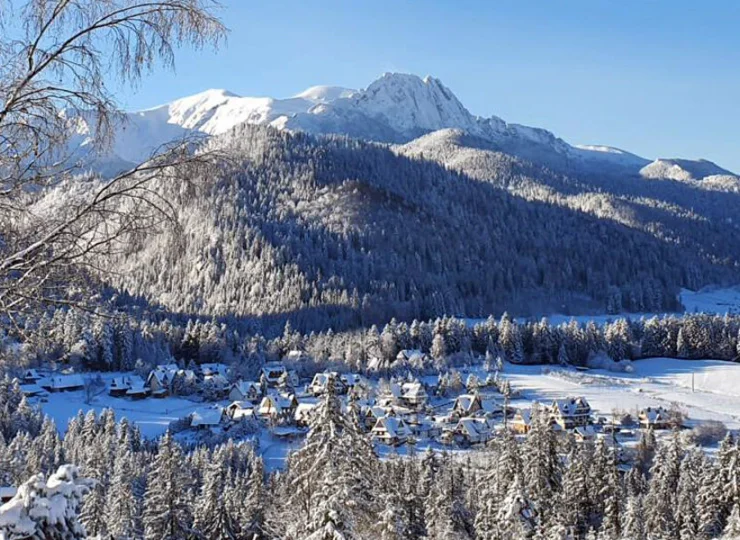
658	78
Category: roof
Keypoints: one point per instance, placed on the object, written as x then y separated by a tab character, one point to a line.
31	389
137	387
525	416
245	386
465	401
490	406
352	379
472	428
321	379
413	390
654	414
570	405
59	382
207	417
31	374
120	382
394	427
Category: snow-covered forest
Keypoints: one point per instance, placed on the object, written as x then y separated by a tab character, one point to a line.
78	339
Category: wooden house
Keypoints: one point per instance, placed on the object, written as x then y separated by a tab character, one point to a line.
238	410
31	376
521	422
62	383
570	412
303	412
245	391
468	431
654	418
207	418
275	407
414	395
467	405
390	430
321	380
273	373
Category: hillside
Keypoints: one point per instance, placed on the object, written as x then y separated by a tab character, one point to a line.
339	232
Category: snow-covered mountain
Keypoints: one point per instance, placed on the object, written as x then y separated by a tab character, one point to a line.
396	108
683	169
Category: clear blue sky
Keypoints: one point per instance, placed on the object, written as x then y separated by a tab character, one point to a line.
660	78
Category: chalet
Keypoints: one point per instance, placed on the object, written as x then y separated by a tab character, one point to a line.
390	430
468	431
321	380
411	356
138	390
371	415
584	433
277	406
207	418
119	386
303	414
273	373
490	407
240	409
413	394
30	376
159	382
218	382
655	418
467	405
245	391
570	412
62	383
391	396
521	422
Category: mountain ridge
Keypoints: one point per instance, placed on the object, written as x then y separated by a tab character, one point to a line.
395	108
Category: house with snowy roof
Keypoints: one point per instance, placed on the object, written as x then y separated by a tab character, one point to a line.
654	418
277	406
62	383
138	389
321	381
31	376
207	418
370	416
391	431
570	412
467	405
273	372
240	409
245	391
413	394
468	431
209	369
521	422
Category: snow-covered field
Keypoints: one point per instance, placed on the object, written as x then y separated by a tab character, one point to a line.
654	382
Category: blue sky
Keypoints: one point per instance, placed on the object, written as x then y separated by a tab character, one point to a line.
659	78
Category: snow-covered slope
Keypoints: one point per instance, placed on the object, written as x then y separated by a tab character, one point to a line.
684	170
396	108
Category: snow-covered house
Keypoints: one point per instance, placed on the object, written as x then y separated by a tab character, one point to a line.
62	383
245	391
468	431
391	396
273	372
584	433
413	394
303	412
30	376
570	412
655	418
521	422
207	418
32	390
467	405
275	407
370	416
138	389
321	380
240	409
159	381
119	386
351	380
391	430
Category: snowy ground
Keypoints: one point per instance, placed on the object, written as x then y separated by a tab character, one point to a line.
707	300
654	382
151	415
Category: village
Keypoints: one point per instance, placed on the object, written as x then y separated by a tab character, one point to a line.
452	409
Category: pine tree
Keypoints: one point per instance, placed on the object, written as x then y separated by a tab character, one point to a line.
212	520
166	510
122	509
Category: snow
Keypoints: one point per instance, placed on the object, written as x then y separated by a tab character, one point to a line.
152	415
683	169
397	107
